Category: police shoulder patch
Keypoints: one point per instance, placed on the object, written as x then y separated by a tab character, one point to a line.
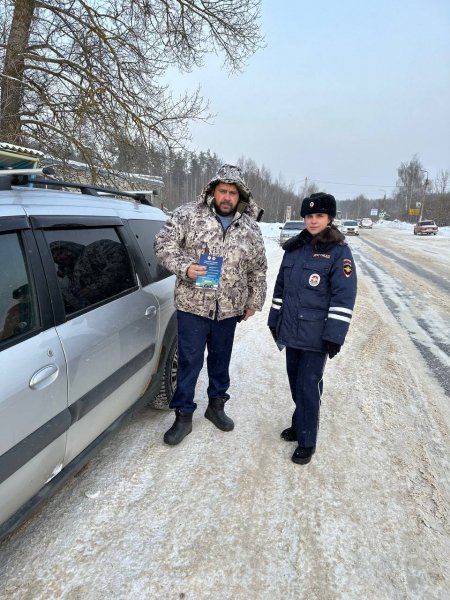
347	267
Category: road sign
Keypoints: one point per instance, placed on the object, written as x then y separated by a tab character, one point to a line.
418	204
374	212
414	211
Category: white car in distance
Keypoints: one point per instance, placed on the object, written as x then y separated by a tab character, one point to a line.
366	223
350	227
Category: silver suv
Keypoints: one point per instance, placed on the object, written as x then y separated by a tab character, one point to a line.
87	329
291	229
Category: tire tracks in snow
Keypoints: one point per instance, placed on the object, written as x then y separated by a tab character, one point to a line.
425	324
441	282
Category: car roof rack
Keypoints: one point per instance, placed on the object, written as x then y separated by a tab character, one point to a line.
30	178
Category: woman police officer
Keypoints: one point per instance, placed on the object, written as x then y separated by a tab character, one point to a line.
311	311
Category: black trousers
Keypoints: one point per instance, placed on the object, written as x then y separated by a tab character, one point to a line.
305	372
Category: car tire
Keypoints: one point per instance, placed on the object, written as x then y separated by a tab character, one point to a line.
169	380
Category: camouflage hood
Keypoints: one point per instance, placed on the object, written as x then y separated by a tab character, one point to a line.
193	230
232	174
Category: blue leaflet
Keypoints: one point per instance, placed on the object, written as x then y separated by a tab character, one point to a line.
213	266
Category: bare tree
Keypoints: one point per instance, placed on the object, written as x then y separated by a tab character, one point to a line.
411	181
441	181
78	75
308	188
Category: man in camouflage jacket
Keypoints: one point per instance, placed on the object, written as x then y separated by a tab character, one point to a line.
221	223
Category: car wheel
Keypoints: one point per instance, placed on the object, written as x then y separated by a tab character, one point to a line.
415	232
169	380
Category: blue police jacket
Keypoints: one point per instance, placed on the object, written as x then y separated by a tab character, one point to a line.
314	294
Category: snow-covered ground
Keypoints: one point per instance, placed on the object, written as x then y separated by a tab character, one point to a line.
229	516
409	227
272	229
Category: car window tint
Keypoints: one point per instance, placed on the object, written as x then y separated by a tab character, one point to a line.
18	306
294	225
145	232
92	265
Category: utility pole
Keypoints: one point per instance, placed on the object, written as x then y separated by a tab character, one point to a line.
306	187
425	185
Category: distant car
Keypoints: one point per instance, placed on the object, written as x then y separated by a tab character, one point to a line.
350	228
366	223
425	228
291	229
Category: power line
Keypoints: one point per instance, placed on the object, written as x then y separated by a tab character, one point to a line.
355	184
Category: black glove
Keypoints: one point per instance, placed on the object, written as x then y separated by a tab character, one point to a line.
332	349
274	335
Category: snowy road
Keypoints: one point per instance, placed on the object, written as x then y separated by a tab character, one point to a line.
229	516
412	276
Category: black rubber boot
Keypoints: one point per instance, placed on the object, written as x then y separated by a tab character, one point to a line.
302	456
179	430
216	414
288	435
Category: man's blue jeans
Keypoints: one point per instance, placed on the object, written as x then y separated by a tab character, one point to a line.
195	334
305	372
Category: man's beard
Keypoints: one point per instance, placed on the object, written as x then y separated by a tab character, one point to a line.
222	213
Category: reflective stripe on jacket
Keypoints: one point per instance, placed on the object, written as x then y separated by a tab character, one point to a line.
314	295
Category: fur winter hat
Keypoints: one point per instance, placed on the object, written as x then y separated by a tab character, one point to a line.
319	203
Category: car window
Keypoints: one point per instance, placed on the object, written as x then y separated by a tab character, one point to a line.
145	232
18	305
294	225
350	223
92	265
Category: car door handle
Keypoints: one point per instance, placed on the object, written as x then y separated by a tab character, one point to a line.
150	311
44	377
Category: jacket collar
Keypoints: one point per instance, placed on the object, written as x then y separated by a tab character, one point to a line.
325	240
303	238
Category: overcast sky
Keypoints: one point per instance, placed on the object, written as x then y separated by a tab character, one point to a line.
343	92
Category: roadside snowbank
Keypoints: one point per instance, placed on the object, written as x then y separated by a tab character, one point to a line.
273	229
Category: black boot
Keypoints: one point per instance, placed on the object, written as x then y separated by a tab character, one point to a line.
179	430
216	414
288	435
302	455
